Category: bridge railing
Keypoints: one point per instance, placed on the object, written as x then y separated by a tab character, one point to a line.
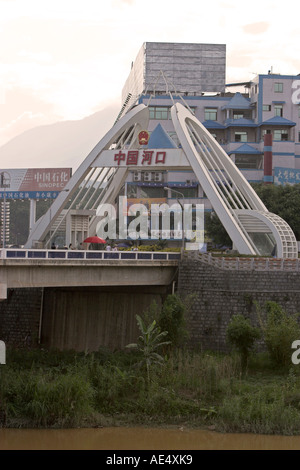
246	264
20	253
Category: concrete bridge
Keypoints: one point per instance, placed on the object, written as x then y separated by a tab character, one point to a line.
21	268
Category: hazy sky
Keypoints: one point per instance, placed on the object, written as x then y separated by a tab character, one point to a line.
66	59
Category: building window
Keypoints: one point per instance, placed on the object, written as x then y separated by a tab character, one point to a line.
210	114
238	115
190	193
298	136
281	134
278	109
298	111
240	136
152	192
159	112
254	162
266	107
242	114
278	87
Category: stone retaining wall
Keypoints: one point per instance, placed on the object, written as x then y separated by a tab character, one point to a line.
20	317
219	294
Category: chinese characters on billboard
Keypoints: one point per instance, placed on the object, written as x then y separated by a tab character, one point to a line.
35	183
144	157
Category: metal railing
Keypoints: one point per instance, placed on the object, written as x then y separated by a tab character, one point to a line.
41	254
247	264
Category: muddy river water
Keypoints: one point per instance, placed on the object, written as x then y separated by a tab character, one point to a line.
123	438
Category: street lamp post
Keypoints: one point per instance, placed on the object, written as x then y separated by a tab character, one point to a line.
182	216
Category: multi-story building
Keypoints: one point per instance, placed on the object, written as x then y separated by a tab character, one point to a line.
195	74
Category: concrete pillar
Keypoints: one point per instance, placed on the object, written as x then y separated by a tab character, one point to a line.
3	291
32	216
2	353
268	159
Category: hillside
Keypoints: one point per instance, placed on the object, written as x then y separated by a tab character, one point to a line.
63	144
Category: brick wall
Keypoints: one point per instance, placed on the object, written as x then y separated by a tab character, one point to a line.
219	294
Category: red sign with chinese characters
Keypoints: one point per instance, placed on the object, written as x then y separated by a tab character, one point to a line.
45	179
137	157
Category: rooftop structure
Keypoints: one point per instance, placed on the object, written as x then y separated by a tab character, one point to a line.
187	68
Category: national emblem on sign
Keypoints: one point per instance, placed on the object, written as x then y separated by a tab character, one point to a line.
143	137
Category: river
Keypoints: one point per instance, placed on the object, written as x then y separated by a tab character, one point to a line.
138	438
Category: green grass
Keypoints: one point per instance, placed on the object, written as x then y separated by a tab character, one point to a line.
63	389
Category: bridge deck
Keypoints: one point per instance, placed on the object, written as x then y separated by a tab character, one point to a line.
63	268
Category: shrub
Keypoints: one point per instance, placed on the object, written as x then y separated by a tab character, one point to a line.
172	319
242	335
280	330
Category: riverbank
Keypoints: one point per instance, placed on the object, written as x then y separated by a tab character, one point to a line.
52	389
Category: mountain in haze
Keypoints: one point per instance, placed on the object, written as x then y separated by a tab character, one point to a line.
61	145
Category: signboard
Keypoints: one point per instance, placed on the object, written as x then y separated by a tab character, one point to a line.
142	158
34	183
286	176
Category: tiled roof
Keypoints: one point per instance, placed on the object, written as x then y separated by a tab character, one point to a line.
238	101
213	125
245	149
278	121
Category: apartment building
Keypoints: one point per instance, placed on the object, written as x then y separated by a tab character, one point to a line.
238	115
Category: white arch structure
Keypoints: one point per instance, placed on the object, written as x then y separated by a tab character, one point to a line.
123	133
251	227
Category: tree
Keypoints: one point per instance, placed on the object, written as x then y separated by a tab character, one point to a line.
216	231
283	201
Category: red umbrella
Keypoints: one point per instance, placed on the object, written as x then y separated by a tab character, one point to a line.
94	240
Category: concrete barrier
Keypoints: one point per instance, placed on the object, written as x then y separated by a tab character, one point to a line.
2	353
3	291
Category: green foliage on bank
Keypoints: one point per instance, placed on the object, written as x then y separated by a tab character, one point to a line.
159	381
48	389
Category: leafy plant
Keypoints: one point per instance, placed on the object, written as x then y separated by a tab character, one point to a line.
149	342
